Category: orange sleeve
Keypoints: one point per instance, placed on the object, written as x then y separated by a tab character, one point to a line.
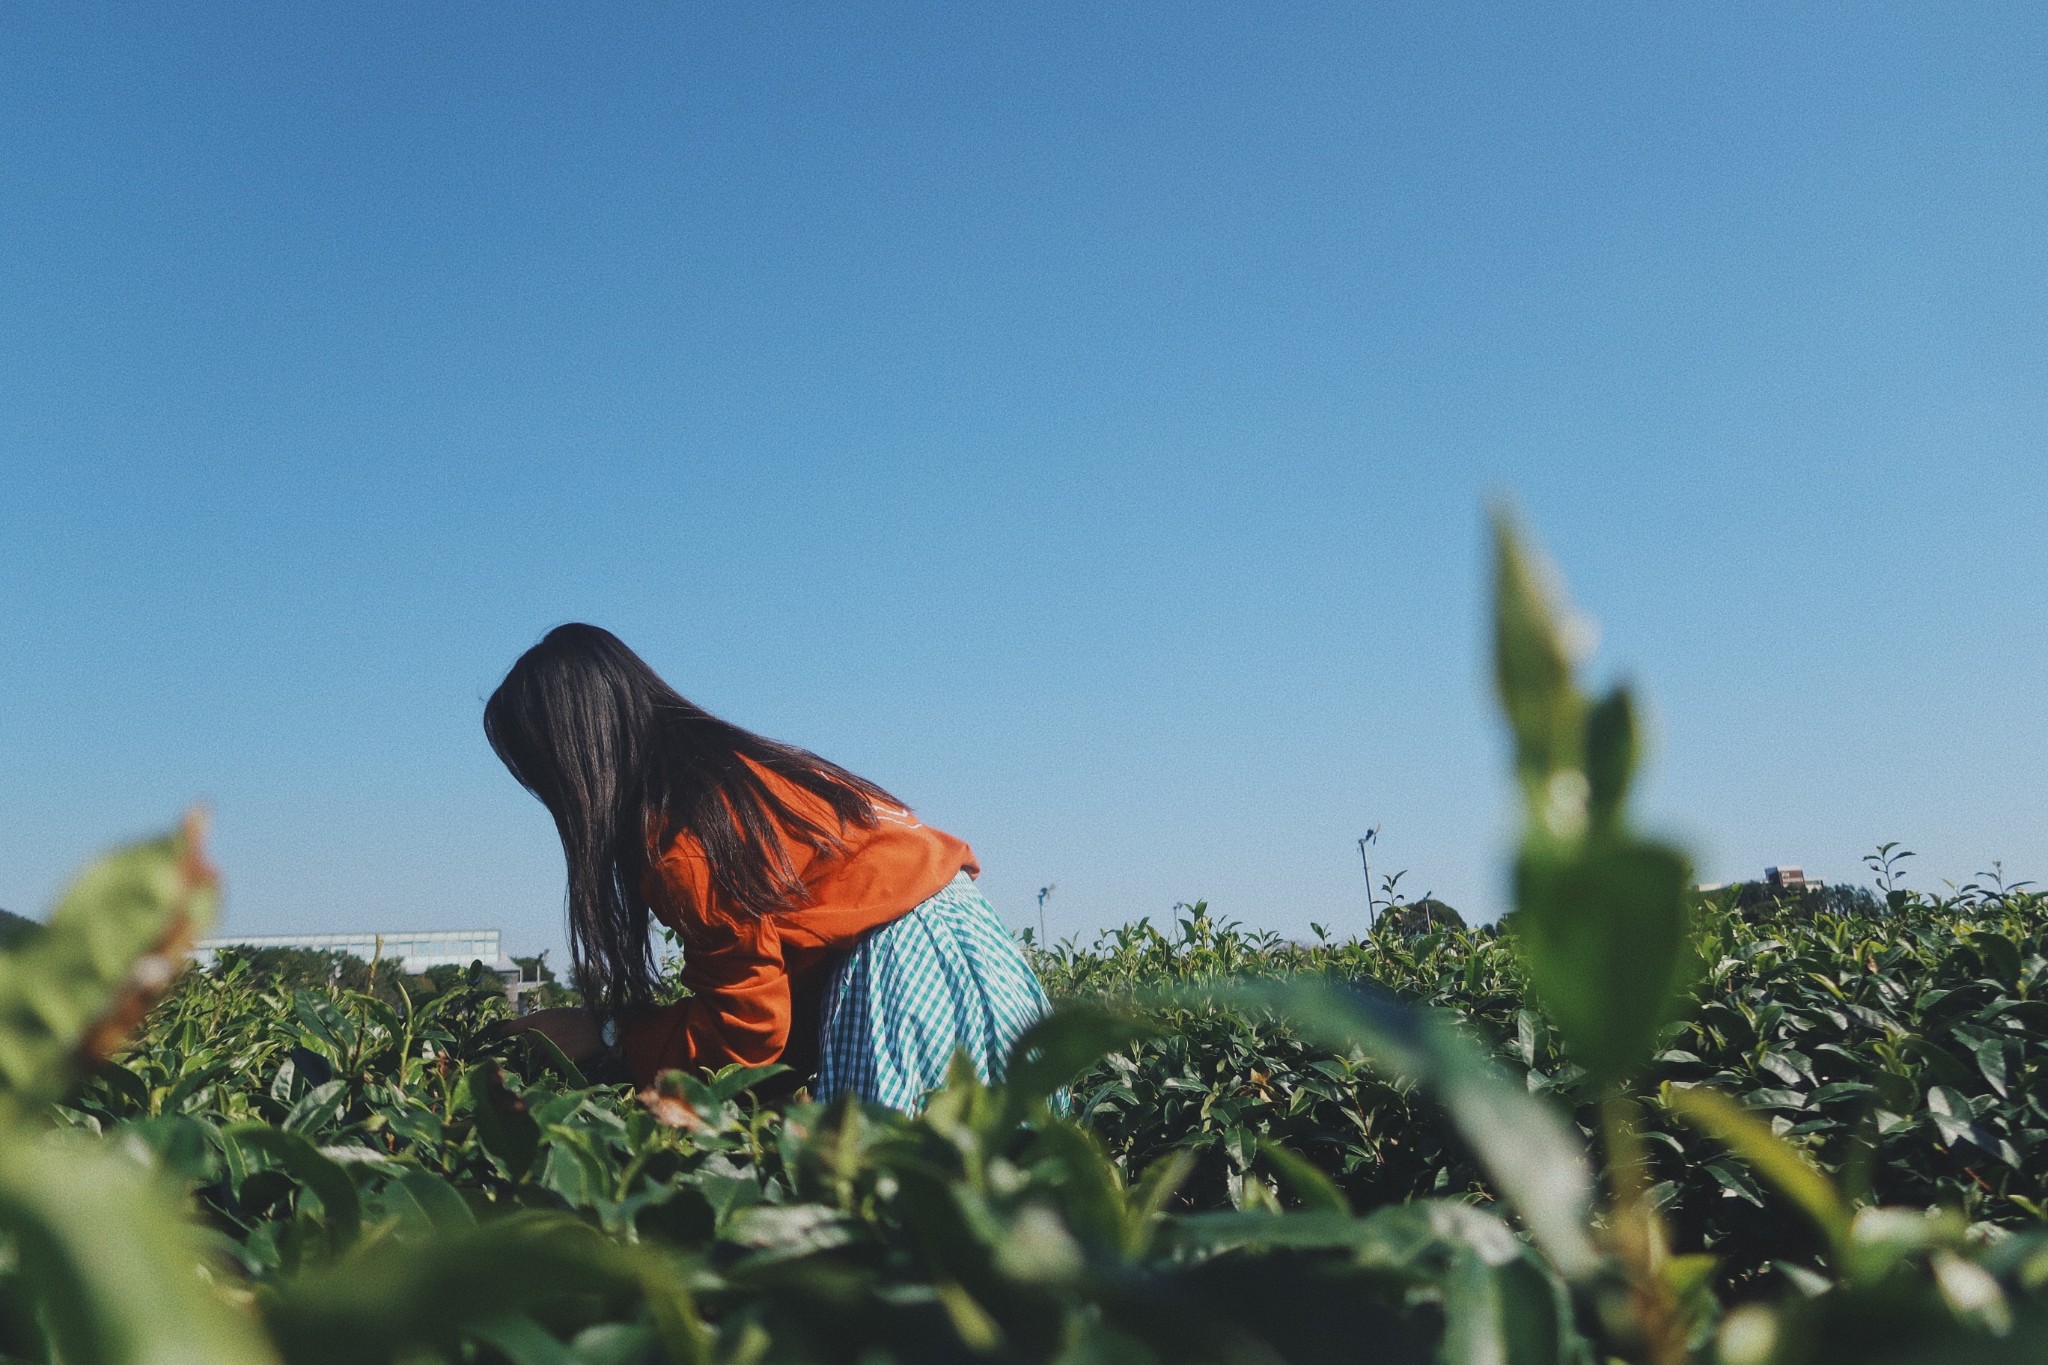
739	1005
738	1010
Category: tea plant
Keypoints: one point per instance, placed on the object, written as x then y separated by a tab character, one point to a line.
1904	1051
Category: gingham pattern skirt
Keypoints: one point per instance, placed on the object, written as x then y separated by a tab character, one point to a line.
945	977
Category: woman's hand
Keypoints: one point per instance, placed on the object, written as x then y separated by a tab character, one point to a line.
573	1030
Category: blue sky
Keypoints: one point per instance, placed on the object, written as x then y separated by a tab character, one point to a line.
1079	419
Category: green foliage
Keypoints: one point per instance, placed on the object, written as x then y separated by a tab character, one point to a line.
1530	1153
69	992
15	929
299	967
303	968
1600	915
1836	1028
103	1266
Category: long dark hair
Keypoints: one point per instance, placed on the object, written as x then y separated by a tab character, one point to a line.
625	764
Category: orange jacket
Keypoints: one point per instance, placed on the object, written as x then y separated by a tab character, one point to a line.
756	982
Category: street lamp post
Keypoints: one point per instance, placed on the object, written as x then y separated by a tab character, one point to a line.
1371	837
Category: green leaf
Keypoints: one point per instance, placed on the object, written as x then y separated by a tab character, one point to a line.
1612	751
1535	1159
1315	1230
1601	917
2001	957
732	1081
1147	1199
507	1131
397	1295
1407	1238
1776	1160
613	1343
1955	1118
977	1330
1085	1183
70	993
111	1264
1602	926
542	1049
317	1108
1038	1249
185	1148
1497	1312
1303	1179
128	1088
430	1202
1095	1343
328	1031
1532	666
1883	1239
677	1324
301	1160
1499	1304
1059	1047
522	1341
929	1205
1990	1054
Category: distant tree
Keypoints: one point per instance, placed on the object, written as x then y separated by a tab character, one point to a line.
299	968
446	977
1840	898
1411	918
16	928
1753	899
312	968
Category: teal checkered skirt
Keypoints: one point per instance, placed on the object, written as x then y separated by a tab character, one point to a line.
946	977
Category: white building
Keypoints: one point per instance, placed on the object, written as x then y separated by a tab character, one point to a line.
413	951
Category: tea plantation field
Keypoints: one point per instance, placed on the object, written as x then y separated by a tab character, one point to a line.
381	1184
1630	1123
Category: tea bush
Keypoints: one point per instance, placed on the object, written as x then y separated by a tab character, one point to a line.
1905	1051
1629	1125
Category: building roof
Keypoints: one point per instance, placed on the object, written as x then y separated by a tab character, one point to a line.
415	950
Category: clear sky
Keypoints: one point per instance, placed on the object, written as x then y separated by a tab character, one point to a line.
1078	418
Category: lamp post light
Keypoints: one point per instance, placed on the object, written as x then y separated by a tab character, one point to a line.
1372	836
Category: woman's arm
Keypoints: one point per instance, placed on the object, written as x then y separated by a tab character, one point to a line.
739	1005
576	1031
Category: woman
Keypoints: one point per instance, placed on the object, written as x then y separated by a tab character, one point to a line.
822	925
